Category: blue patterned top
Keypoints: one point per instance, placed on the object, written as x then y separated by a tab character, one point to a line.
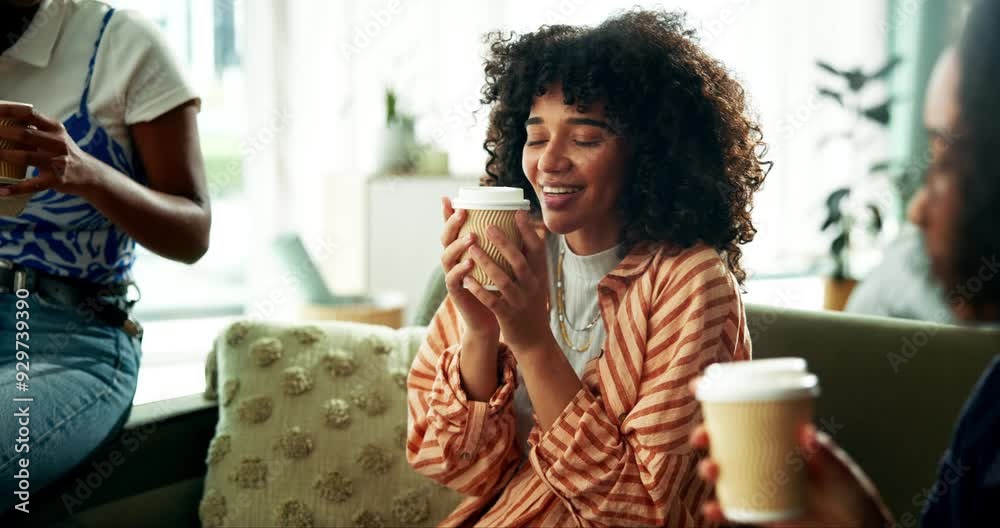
63	234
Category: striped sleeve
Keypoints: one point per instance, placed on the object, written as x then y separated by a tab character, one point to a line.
465	445
636	469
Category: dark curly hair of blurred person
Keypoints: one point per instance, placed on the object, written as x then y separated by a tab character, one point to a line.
698	156
974	153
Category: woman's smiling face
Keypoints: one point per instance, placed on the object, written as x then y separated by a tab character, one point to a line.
576	164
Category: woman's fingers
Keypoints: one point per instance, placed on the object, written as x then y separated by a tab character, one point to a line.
32	137
29	186
708	470
713	512
452	226
453	278
506	285
534	245
27	157
699	438
492	300
446	207
518	263
28	116
455	250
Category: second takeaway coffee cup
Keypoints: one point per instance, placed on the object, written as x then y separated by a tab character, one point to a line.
754	413
10	171
490	206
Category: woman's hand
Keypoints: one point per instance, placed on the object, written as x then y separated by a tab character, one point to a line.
479	320
839	494
62	165
520	305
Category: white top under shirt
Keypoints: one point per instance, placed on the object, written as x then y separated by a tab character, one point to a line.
580	277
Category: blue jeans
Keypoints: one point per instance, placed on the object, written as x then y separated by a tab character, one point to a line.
81	377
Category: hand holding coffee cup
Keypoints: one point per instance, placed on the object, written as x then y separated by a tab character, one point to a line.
479	320
491	206
755	412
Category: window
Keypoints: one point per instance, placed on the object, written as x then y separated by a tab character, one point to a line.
205	36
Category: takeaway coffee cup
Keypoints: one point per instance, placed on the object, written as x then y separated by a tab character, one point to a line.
488	206
754	413
11	171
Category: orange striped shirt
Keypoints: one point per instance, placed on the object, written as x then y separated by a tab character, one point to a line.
618	454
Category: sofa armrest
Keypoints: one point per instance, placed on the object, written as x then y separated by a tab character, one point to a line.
162	443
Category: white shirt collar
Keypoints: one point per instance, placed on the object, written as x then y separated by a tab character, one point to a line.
36	45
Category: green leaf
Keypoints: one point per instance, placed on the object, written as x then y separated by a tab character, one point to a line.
837	196
826	66
880	113
832	219
876	225
880	166
856	79
836	96
888	68
839	244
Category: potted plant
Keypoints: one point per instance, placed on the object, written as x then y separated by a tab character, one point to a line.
398	143
848	211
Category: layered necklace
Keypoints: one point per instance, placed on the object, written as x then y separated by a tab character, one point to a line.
564	326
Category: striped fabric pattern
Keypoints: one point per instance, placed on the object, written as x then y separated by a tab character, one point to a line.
618	453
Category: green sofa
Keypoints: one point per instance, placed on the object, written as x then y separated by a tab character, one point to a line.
891	390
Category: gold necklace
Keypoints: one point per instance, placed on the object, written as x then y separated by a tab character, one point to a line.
561	310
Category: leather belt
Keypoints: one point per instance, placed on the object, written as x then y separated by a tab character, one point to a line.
108	302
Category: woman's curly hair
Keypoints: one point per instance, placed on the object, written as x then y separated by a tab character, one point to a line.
697	155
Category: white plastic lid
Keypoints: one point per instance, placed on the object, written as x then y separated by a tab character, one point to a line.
761	380
502	198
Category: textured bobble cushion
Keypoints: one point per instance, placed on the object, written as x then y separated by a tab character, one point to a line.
312	426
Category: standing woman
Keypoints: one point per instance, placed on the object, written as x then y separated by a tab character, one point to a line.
113	143
562	399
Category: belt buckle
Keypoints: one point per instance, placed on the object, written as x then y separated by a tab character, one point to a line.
20	277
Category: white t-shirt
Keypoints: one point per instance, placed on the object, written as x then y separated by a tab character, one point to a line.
581	275
99	70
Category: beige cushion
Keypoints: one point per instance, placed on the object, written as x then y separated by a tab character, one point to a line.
312	426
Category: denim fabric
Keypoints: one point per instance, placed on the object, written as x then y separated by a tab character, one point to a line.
82	378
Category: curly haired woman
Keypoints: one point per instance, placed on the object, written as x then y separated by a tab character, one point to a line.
562	399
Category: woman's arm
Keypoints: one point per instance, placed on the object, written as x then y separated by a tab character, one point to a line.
172	216
452	437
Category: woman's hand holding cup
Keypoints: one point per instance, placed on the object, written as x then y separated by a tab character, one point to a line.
479	320
837	492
